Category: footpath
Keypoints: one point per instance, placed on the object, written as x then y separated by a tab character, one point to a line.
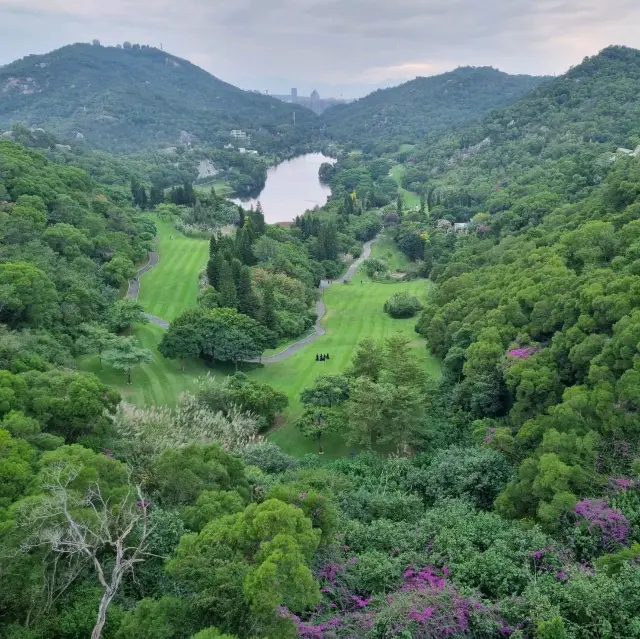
321	309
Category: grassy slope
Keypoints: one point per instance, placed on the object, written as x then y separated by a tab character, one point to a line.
354	312
410	198
172	286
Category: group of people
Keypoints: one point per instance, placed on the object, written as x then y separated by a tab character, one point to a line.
322	357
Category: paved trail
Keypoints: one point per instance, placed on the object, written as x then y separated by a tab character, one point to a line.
134	289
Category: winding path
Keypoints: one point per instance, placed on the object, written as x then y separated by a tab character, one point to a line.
321	309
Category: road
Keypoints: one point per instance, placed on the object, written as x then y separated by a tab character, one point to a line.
319	330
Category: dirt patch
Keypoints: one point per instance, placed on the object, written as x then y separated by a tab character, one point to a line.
397	275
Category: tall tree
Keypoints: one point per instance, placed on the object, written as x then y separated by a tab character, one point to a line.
368	360
268	316
227	287
125	355
180	342
367	412
156	196
125	313
90	530
318	421
247	302
95	339
214	269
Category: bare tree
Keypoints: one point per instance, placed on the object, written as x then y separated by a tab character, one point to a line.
87	529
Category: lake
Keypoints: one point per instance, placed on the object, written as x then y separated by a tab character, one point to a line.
292	187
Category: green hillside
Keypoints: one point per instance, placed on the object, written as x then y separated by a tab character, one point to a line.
130	99
388	118
567	122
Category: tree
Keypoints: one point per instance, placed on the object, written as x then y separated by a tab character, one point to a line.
268	316
125	313
240	392
156	195
88	529
214	268
247	303
402	305
125	354
368	360
96	339
402	368
366	411
119	269
318	421
30	296
227	288
328	391
248	564
180	342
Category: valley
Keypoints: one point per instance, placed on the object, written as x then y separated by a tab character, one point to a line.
394	396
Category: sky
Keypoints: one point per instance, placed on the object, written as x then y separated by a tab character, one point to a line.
339	47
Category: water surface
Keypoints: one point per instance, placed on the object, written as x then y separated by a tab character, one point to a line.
292	187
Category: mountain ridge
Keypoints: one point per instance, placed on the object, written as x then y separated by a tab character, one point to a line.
125	99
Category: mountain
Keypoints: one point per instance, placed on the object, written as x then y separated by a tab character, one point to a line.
407	113
589	112
136	98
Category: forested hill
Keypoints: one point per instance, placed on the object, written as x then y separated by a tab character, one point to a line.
590	111
406	113
132	99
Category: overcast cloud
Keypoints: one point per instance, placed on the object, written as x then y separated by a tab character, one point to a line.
347	47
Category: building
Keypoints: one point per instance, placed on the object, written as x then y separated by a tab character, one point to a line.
238	134
313	102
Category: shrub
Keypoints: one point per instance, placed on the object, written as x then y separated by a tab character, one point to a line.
402	305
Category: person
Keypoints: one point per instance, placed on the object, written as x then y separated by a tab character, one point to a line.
322	358
327	356
317	357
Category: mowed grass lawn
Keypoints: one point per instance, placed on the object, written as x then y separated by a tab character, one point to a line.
172	285
354	311
410	198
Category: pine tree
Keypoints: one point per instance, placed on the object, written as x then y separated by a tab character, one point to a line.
242	216
400	204
246	298
257	216
423	204
243	247
144	200
189	194
227	287
156	196
214	268
213	244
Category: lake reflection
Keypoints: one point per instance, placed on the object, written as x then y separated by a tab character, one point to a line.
291	188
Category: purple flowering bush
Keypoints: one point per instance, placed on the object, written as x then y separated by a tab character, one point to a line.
605	524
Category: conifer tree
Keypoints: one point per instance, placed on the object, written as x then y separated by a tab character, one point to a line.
246	298
227	287
214	267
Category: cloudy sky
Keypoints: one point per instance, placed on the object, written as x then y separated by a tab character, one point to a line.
347	47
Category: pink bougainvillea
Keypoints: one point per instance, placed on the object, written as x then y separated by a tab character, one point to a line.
600	519
524	352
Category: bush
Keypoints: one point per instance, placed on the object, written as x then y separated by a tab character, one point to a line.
374	267
402	305
268	457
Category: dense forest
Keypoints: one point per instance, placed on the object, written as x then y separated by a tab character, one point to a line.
500	500
424	107
135	98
